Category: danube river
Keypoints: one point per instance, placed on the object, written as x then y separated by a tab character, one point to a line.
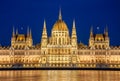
59	75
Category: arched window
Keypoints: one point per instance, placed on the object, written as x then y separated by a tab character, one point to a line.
100	46
44	52
59	40
103	46
95	46
63	41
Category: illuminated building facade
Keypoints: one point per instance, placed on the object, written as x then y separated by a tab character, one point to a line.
60	50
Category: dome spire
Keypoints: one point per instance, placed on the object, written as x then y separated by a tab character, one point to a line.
60	15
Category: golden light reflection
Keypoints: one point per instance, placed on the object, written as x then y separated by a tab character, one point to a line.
59	75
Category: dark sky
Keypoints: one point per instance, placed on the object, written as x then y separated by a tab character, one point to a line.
24	13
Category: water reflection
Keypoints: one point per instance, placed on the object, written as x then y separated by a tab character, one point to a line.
59	75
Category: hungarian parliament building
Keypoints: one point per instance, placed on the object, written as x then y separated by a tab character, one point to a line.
60	50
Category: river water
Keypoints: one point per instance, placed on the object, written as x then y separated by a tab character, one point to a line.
59	75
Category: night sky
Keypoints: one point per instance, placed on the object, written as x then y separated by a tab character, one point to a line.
87	13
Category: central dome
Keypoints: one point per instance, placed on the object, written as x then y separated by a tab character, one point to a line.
60	26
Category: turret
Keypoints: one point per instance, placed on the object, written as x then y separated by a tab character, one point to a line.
106	31
91	31
29	33
13	34
106	37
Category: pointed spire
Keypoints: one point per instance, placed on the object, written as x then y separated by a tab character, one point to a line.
13	34
44	27
91	31
44	39
73	23
44	34
74	29
28	31
60	15
106	30
74	36
44	24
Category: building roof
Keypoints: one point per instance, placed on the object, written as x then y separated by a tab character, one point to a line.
60	26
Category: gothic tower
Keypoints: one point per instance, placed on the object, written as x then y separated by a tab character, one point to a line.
44	39
91	39
60	33
20	41
74	38
99	41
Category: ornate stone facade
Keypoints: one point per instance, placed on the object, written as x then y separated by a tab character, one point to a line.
60	50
